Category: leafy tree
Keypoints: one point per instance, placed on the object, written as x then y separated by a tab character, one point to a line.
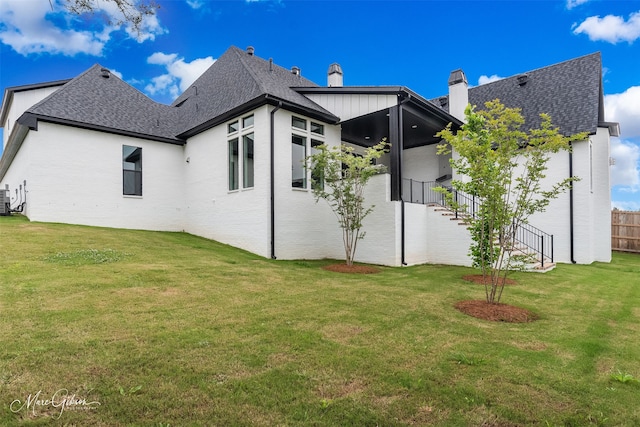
339	176
132	11
504	167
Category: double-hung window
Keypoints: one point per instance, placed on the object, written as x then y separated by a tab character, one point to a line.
131	171
305	137
241	153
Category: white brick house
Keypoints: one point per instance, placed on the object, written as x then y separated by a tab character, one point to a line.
223	161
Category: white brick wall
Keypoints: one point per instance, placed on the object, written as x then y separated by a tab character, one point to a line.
240	217
78	180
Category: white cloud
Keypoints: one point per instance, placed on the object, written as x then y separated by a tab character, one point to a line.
160	58
33	27
116	73
180	74
625	205
195	4
488	79
611	28
26	29
148	30
573	3
624	108
626	171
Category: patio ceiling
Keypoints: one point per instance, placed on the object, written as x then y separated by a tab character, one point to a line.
418	128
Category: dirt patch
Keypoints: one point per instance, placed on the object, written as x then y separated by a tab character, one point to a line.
482	280
530	346
495	312
354	269
341	333
350	388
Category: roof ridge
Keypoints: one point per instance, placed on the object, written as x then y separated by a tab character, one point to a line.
104	101
598	53
240	54
67	84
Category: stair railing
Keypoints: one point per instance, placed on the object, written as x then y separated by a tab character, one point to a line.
527	236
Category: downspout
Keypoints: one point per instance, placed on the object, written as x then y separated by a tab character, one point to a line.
571	243
272	183
403	260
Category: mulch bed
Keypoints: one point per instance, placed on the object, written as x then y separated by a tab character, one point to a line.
354	269
496	312
481	280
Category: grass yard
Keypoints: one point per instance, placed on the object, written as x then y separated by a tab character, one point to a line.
155	329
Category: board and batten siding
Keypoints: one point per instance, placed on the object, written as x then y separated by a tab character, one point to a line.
21	102
348	106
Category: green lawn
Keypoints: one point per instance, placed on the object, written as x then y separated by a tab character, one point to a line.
170	329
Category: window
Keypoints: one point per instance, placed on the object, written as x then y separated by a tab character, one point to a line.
247	161
591	166
302	143
298	123
298	154
317	179
131	170
317	128
234	171
241	153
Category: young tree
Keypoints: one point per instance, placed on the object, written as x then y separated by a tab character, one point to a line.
339	176
504	167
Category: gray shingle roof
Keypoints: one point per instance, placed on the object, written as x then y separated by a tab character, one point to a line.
235	79
570	92
91	100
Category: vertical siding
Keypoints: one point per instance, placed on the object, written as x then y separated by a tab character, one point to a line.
21	102
348	106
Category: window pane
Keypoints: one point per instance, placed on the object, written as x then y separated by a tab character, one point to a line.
317	128
317	178
247	121
233	127
298	154
247	161
233	164
299	123
131	170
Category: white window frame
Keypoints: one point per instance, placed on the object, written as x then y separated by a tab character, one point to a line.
591	166
308	136
239	134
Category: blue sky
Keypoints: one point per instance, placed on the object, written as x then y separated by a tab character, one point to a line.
410	43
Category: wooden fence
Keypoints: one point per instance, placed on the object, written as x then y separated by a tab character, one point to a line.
625	231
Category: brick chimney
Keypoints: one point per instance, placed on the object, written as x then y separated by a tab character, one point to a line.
458	94
334	75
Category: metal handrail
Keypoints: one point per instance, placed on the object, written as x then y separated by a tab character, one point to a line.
525	235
